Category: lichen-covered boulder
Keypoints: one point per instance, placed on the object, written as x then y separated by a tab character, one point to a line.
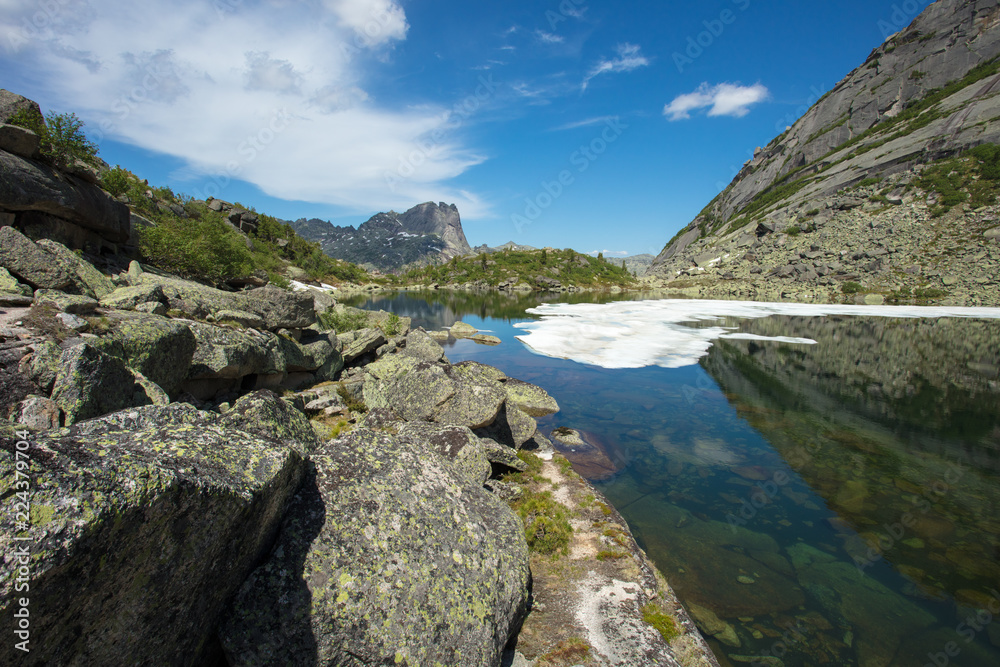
42	366
389	556
277	308
91	383
458	444
420	345
512	427
29	263
474	369
364	342
476	402
159	348
130	298
141	529
267	415
9	284
230	354
86	277
310	353
65	303
532	399
463	330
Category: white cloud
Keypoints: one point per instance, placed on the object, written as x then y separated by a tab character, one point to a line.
588	122
375	21
724	99
165	76
548	37
629	58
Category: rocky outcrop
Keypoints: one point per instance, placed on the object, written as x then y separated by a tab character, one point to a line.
50	203
385	528
927	93
29	263
428	233
275	307
11	103
143	525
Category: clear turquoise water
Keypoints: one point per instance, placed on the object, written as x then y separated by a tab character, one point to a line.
832	504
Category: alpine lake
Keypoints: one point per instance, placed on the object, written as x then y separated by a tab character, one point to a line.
819	485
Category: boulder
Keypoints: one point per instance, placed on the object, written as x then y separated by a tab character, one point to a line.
476	402
532	399
86	277
28	185
28	262
483	339
420	345
223	353
65	303
9	285
264	414
11	103
416	392
309	354
463	330
458	444
91	383
512	427
388	556
19	141
474	369
73	323
130	298
159	348
365	342
244	319
141	532
37	413
42	366
277	308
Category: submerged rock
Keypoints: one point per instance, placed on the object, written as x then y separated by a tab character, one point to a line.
388	556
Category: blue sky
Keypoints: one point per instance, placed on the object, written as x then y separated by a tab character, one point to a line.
576	123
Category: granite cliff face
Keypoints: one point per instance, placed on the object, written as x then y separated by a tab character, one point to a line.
927	94
426	234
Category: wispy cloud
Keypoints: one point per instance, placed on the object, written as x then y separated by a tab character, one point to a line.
548	37
162	79
629	58
724	99
598	120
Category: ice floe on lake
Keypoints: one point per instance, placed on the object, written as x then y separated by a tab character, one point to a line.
668	333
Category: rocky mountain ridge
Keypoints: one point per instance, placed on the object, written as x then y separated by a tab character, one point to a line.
426	234
928	93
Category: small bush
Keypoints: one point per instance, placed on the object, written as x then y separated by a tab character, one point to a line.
546	523
793	231
344	320
62	138
203	250
851	288
116	181
812	213
391	326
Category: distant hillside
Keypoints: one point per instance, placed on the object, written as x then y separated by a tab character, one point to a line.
852	197
636	264
518	269
510	245
426	234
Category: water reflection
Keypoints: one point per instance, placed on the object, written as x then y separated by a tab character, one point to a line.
823	504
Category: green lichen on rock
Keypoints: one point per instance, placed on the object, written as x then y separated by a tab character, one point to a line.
228	353
87	279
265	414
157	347
389	556
91	383
532	399
144	524
129	298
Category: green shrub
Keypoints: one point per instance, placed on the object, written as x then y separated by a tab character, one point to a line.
61	136
546	522
203	250
851	288
812	213
793	231
344	320
116	181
